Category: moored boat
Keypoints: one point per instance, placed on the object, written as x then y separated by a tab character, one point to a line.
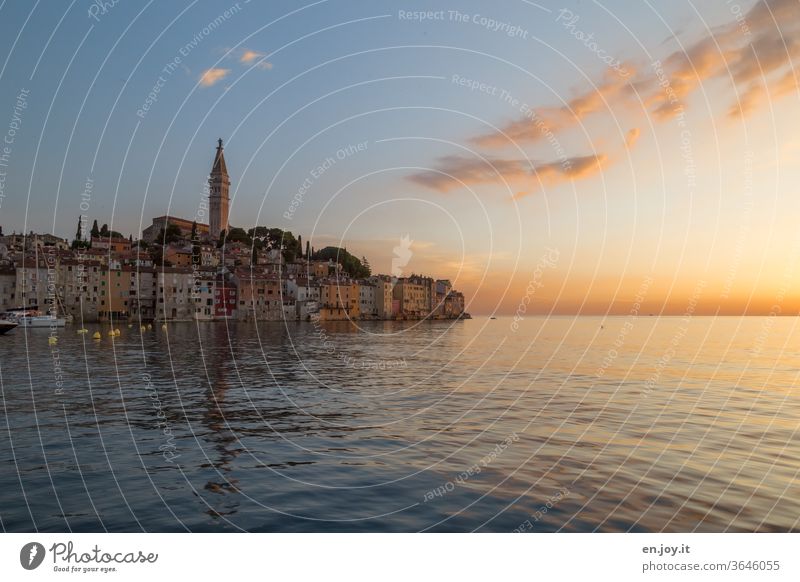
32	318
6	326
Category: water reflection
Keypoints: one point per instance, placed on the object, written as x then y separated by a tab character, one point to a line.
273	429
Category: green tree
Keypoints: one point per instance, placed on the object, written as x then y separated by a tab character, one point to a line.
156	254
104	231
194	230
239	235
172	234
350	264
95	231
260	233
79	232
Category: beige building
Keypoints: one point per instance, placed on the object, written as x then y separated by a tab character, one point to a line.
368	301
412	297
174	294
8	287
260	296
31	284
383	295
178	256
143	293
114	244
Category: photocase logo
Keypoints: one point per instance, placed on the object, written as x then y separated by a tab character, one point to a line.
402	255
31	555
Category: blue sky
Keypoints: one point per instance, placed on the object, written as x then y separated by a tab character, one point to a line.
292	84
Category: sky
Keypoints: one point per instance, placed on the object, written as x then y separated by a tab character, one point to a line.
570	157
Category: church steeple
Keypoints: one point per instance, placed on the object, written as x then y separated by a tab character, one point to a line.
219	161
218	183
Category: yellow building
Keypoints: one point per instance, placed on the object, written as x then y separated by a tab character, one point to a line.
413	298
339	299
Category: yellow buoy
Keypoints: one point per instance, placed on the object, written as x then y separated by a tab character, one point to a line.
83	330
130	325
116	331
97	335
149	326
52	340
163	326
142	328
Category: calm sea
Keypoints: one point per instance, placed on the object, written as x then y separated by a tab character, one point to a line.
564	424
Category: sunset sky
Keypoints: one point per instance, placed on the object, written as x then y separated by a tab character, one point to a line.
658	155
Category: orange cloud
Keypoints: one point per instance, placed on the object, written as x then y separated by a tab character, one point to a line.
786	84
543	123
759	48
456	171
248	56
755	53
748	101
575	168
632	137
213	76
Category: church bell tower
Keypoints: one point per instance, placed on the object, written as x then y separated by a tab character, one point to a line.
219	184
